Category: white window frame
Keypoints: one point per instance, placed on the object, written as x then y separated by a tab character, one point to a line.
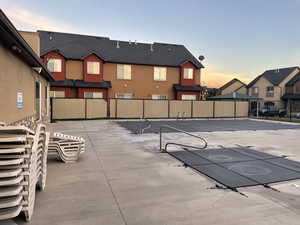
124	95
189	97
160	73
94	94
254	90
93	67
159	97
123	72
57	65
188	73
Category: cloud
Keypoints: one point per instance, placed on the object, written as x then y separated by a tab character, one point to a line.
26	19
212	78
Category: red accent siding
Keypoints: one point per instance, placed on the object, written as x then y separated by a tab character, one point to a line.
180	93
57	75
187	81
82	90
92	77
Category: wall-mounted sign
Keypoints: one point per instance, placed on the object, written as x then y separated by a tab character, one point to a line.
20	102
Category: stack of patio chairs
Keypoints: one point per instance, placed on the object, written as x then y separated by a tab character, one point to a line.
66	147
23	167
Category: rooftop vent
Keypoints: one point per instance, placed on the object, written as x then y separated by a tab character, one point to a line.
50	38
135	42
130	42
118	44
151	47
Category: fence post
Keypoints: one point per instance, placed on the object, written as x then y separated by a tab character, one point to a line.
214	107
234	108
143	108
192	107
290	103
85	108
116	108
108	108
168	108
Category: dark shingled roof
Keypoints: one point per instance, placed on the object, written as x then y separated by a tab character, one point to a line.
80	84
75	46
275	76
294	80
291	97
179	87
83	84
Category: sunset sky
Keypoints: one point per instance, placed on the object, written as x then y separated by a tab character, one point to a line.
239	38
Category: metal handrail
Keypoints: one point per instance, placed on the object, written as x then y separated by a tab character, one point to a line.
181	131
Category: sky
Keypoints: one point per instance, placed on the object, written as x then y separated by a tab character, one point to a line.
238	38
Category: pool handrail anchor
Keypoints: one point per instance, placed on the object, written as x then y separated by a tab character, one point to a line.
167	127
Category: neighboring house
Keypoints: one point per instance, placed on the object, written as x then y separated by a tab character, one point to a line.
96	67
271	86
235	85
292	93
24	80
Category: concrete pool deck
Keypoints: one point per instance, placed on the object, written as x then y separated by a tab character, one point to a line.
123	179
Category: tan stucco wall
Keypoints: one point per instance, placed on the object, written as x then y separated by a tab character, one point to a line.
68	108
96	108
242	109
224	109
74	69
16	76
181	108
156	109
234	87
142	83
33	39
129	108
203	109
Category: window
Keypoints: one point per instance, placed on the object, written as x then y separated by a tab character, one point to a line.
188	73
159	97
93	67
254	91
124	72
124	95
160	73
270	91
54	65
93	94
57	94
188	97
38	99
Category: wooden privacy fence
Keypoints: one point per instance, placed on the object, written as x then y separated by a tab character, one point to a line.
68	108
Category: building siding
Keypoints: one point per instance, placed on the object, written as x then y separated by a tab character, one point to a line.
142	83
16	76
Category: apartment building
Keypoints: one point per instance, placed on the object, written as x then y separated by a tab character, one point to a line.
270	86
96	67
235	85
24	80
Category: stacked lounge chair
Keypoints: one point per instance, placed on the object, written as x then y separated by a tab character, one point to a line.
66	147
23	167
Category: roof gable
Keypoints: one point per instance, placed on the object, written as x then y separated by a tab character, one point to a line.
232	82
294	80
74	46
275	76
